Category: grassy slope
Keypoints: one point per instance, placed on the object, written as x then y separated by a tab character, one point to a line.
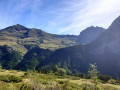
37	80
20	36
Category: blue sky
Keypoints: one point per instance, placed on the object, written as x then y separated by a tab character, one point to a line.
59	16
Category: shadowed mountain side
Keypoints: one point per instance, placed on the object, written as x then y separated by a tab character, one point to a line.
104	51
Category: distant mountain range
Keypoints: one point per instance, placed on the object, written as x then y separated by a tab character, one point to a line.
22	38
33	48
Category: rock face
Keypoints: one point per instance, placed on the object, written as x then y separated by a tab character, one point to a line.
89	34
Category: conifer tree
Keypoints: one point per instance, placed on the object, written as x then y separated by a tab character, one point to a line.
93	72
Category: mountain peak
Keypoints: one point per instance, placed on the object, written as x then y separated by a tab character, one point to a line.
17	27
89	34
94	28
115	24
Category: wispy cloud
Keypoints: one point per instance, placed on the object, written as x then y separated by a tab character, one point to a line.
87	13
11	11
59	16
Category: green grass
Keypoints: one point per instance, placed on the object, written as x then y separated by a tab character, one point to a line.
34	80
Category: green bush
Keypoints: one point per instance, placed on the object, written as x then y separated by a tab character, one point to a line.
26	74
104	78
13	78
62	81
26	87
4	78
10	78
118	82
60	72
112	81
15	86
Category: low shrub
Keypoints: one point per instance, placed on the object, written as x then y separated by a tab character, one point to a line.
25	74
25	87
62	81
104	78
15	86
112	81
10	78
13	78
118	82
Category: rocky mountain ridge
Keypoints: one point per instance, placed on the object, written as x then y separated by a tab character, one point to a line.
19	36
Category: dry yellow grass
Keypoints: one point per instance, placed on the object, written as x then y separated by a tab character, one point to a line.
12	72
7	43
26	80
111	85
88	81
81	81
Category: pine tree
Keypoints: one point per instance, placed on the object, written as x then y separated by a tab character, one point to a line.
55	68
93	72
